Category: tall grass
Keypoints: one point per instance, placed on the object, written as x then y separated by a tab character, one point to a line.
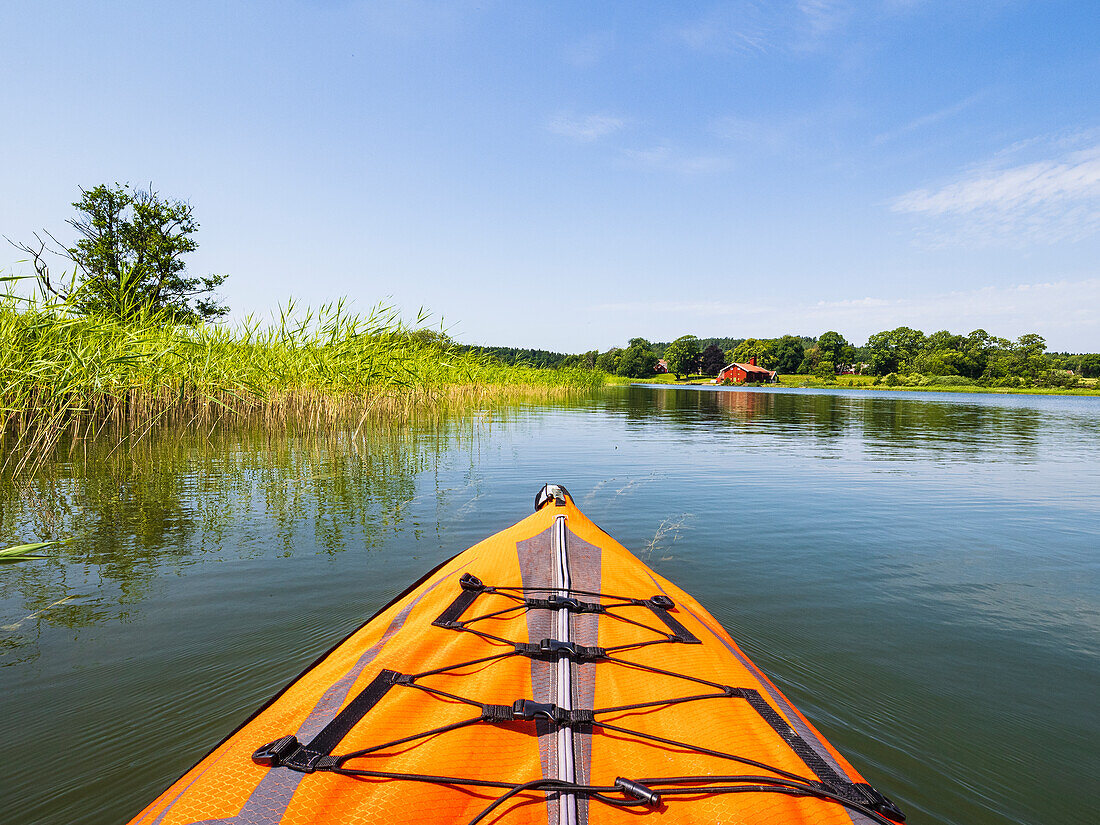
64	374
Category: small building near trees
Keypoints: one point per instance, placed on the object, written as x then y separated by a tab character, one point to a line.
662	366
746	373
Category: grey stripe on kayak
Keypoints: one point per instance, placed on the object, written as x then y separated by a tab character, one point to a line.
185	789
779	699
271	797
535	557
585	562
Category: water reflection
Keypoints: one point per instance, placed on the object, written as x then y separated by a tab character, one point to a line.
918	572
882	425
124	520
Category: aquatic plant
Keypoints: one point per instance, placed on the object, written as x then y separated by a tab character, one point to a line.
64	373
23	552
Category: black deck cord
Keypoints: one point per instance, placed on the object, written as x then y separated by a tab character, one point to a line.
791	784
811	758
766	784
769	785
547	785
811	790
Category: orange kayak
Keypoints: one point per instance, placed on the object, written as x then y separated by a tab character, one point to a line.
545	675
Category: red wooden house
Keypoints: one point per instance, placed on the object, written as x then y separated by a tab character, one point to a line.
746	373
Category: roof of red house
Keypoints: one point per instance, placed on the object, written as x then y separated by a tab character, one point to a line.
747	368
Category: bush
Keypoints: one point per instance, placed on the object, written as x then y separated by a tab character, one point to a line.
950	381
1058	379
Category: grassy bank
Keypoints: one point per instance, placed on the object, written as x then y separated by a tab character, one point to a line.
666	378
63	374
867	382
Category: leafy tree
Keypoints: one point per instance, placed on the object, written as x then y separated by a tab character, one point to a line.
787	354
541	358
978	347
609	361
1088	365
1027	356
583	360
712	360
894	350
129	257
832	347
938	362
810	361
637	362
762	351
682	355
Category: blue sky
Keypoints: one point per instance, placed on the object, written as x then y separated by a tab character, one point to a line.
570	175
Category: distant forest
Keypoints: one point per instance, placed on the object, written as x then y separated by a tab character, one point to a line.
900	355
517	355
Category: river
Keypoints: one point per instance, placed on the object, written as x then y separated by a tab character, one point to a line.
919	573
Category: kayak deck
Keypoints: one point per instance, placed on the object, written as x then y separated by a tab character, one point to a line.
545	675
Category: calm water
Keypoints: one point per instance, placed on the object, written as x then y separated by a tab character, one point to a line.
920	574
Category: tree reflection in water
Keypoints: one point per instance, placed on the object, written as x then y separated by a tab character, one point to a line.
125	518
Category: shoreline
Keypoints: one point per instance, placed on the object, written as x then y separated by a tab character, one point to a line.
1079	391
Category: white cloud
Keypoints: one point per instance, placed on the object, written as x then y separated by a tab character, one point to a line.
1040	201
927	120
758	26
587	128
588	51
1062	311
670	160
741	27
824	16
771	137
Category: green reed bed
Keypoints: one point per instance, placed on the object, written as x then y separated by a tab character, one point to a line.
66	374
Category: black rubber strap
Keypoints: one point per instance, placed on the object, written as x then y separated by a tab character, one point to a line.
317	755
331	734
681	633
822	769
472	587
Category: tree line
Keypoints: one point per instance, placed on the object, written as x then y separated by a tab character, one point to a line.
893	355
128	259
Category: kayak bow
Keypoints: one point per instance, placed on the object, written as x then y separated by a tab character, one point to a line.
545	675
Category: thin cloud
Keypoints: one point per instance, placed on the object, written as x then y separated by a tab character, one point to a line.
744	27
757	27
1040	201
588	51
824	16
587	128
667	159
927	120
772	137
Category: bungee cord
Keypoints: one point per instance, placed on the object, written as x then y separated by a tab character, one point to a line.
650	792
